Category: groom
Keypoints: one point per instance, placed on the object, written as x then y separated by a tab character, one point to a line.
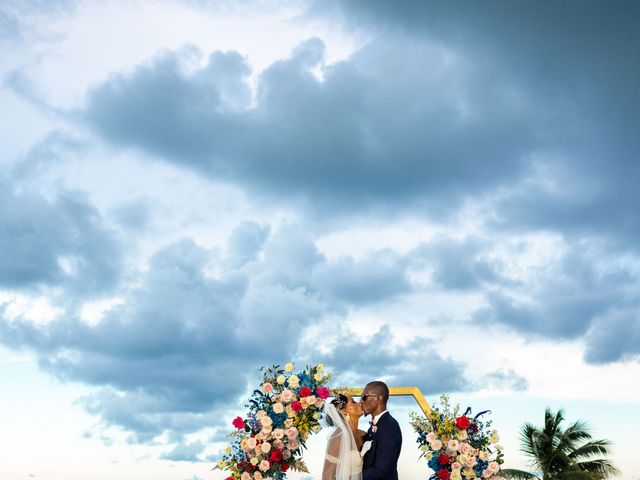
383	440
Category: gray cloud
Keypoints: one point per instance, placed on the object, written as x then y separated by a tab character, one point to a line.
57	242
416	363
578	63
359	135
185	452
505	379
378	277
614	336
246	243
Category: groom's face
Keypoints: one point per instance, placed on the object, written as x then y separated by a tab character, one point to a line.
370	400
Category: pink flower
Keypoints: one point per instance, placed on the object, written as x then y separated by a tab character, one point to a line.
286	396
265	447
323	393
264	465
245	476
267	387
293	444
257	475
456	466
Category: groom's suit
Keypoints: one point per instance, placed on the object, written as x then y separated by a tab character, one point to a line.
381	460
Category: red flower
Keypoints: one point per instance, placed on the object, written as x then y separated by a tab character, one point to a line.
443	459
284	467
323	393
463	422
296	406
229	478
305	392
238	422
444	474
276	455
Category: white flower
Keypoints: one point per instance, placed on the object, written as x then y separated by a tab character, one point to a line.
462	435
245	476
281	379
278	407
453	445
265	447
251	442
317	377
431	437
484	455
320	367
264	465
498	447
266	421
294	381
289	367
436	445
493	467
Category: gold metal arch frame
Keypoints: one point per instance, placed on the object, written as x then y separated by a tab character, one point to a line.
393	392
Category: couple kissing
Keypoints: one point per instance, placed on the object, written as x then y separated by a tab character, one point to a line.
353	454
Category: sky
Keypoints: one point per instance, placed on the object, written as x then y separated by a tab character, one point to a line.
438	194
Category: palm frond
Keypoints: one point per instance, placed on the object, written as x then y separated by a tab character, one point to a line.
515	474
603	467
590	449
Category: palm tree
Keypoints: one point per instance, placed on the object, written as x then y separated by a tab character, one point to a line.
558	454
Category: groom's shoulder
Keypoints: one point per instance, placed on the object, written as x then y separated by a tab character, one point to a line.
390	420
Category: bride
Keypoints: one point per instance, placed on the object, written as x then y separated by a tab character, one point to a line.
343	460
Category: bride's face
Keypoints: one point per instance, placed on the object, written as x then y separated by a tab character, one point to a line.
352	408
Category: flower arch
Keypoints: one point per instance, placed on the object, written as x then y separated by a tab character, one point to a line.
287	408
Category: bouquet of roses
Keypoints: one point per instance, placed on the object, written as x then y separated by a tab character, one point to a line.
456	445
282	414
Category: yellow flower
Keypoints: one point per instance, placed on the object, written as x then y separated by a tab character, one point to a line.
281	379
227	450
317	377
254	461
289	367
220	464
320	367
243	444
316	415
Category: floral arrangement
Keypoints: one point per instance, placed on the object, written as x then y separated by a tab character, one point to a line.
456	445
283	413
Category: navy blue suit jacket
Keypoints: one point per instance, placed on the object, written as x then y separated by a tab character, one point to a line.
381	461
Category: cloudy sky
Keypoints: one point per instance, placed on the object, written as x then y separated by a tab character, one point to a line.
440	194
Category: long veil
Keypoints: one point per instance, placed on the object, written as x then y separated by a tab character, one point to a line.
342	455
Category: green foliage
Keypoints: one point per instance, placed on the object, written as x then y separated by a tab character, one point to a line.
562	454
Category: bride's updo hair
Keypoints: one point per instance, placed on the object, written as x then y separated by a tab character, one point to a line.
339	402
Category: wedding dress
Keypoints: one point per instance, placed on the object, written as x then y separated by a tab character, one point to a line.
342	460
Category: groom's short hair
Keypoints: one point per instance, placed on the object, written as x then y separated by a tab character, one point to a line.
381	388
